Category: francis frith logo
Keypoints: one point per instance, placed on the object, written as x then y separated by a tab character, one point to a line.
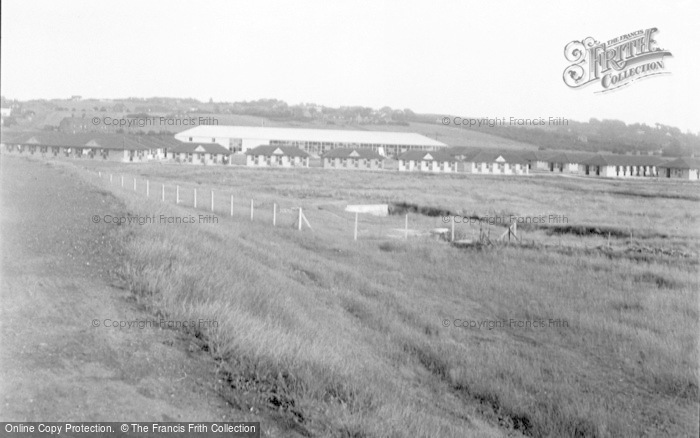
615	63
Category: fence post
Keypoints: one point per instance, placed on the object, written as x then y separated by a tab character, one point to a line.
177	194
405	233
453	229
110	178
195	197
148	187
356	215
122	181
231	205
251	210
299	218
99	174
134	183
274	214
212	201
162	192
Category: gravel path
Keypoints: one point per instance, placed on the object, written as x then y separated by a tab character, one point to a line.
54	365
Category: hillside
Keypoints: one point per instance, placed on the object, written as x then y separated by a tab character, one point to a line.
591	136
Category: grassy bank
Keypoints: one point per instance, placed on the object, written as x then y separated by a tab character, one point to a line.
367	338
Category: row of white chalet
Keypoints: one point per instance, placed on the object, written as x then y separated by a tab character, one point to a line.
143	148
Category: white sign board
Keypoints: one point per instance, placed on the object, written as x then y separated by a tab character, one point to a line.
376	210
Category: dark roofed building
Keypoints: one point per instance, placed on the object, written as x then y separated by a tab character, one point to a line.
682	168
567	162
614	166
198	153
427	161
352	158
277	156
497	163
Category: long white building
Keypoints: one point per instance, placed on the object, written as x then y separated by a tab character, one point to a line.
313	141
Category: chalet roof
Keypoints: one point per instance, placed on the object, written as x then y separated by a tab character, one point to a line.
538	155
682	163
426	156
492	157
570	157
266	150
208	148
364	153
623	160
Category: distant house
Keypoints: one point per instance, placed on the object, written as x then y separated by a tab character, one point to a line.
352	158
496	163
277	156
120	108
682	168
74	125
427	161
538	160
567	162
461	152
82	145
621	166
199	153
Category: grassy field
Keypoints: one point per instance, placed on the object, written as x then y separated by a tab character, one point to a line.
589	329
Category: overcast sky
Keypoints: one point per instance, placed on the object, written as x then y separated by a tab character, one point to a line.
466	58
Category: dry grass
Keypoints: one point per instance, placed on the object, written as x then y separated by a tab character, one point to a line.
348	337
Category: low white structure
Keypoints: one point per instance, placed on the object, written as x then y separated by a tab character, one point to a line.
277	156
622	166
195	153
496	163
682	168
567	162
435	161
352	158
313	141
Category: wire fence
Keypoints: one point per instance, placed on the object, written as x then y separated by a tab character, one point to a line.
313	217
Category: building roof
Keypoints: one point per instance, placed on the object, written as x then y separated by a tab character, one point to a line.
500	157
426	156
623	160
682	163
364	153
289	151
311	135
569	157
86	139
538	155
207	148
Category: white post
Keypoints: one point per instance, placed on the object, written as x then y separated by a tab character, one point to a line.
212	201
299	218
195	197
356	215
148	187
99	174
405	234
251	209
177	194
122	180
231	205
453	229
134	183
110	178
162	192
274	214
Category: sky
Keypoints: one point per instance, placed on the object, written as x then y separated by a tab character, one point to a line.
463	58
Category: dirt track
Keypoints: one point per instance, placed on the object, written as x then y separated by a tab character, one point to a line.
54	365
